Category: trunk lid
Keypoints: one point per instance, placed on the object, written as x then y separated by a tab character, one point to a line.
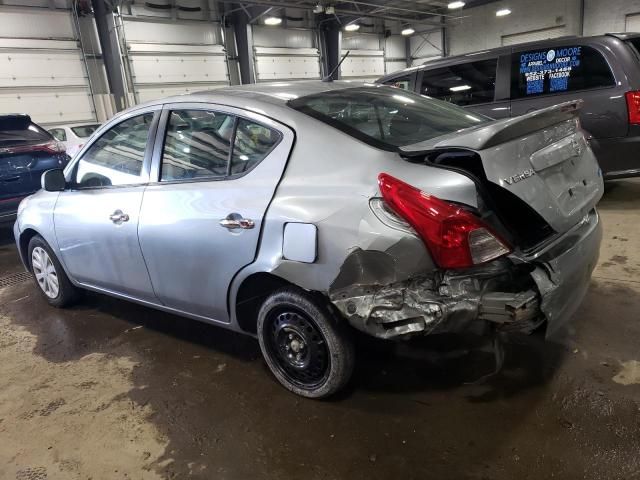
542	158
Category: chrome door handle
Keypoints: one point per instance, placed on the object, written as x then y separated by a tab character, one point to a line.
118	217
234	221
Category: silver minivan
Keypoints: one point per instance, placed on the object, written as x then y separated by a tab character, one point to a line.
297	212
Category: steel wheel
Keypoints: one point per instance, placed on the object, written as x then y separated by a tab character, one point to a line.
298	348
45	272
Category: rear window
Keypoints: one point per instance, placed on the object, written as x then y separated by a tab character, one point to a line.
558	70
84	131
21	130
635	44
384	117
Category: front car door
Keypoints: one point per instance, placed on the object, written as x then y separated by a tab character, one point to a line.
96	218
215	170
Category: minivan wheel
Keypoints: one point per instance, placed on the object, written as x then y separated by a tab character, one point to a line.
49	275
305	347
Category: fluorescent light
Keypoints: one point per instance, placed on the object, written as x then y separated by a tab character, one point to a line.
454	5
272	21
408	31
503	12
352	27
318	9
330	10
460	88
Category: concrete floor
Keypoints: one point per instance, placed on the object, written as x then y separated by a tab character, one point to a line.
110	390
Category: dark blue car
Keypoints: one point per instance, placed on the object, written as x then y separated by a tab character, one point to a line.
26	151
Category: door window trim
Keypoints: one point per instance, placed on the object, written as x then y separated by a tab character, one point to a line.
146	163
237	113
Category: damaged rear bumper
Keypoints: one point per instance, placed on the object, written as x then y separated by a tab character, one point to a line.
517	293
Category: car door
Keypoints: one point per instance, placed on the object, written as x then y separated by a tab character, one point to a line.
472	83
217	169
96	218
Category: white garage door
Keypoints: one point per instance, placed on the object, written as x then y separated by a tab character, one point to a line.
284	54
362	65
632	23
534	36
42	70
170	58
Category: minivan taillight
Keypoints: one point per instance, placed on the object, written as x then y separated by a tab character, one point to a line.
455	237
633	106
49	147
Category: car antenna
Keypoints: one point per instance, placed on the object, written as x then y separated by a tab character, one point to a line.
328	77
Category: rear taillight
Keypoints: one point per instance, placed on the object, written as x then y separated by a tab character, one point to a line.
49	147
455	237
633	107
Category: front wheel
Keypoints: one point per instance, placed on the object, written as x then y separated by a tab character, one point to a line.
50	277
305	347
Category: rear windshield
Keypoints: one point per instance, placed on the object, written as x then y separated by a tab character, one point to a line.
84	131
635	43
21	130
386	117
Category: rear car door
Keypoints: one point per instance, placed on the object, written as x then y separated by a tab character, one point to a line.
96	219
472	83
26	150
216	171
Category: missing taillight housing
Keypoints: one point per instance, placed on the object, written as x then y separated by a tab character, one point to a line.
455	237
633	106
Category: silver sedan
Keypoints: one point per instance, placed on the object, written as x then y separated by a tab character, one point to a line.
297	212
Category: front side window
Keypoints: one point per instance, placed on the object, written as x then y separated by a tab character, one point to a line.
558	70
464	84
403	82
252	143
386	117
197	145
116	158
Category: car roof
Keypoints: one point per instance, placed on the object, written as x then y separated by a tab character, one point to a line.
444	61
268	98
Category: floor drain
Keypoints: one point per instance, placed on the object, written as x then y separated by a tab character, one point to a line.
14	279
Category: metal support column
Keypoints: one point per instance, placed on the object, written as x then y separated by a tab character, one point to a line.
244	43
110	52
330	37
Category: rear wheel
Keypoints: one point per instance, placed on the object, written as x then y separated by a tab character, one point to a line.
305	347
49	275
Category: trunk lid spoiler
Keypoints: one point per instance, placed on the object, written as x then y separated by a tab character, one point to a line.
500	131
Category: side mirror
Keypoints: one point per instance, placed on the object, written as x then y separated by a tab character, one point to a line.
53	180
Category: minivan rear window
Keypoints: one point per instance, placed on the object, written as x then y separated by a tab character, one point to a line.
386	117
558	70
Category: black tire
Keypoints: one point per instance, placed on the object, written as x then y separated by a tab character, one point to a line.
67	294
305	346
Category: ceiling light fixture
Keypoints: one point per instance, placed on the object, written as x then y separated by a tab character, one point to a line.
330	10
318	9
454	5
352	27
408	31
503	12
460	88
272	21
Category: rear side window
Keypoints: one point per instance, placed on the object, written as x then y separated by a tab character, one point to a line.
197	144
558	70
384	117
464	84
201	144
19	129
252	143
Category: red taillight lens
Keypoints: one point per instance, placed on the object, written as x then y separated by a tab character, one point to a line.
455	237
633	106
49	147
